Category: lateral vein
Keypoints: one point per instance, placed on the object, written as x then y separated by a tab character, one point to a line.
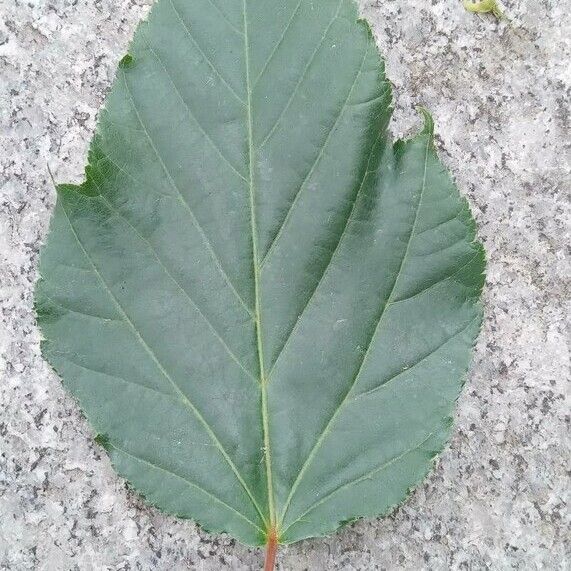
188	482
302	76
182	198
326	430
365	476
324	273
161	368
312	169
149	246
206	58
192	115
417	363
278	43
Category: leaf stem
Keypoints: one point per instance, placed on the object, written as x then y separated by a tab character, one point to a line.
271	550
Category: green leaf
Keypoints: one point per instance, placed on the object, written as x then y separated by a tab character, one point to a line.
265	306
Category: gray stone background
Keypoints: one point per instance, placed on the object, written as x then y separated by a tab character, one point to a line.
497	500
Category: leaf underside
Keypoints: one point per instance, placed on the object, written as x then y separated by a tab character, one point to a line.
265	307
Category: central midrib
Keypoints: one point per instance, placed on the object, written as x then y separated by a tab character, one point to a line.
256	271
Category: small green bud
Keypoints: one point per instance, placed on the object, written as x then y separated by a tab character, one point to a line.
483	7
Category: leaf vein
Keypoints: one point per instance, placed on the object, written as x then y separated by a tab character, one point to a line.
416	363
225	17
278	44
301	78
187	481
256	276
117	377
359	479
317	160
324	273
448	220
179	285
161	368
449	277
193	116
82	313
197	225
206	58
326	430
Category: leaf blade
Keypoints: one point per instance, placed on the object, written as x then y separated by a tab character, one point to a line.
265	307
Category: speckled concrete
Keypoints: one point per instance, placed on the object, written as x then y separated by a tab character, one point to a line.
497	499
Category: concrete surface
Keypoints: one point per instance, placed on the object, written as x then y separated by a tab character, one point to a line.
500	97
